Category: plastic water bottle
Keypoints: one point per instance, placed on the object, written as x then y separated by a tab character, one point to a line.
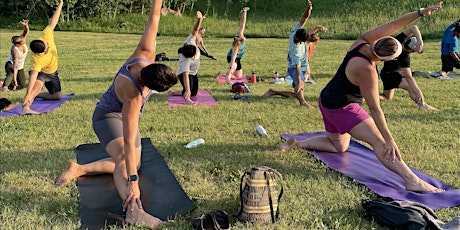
275	76
253	78
261	130
195	143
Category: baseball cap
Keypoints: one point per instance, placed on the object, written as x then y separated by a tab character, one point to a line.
410	44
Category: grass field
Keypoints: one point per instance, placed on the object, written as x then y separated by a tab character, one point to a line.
34	149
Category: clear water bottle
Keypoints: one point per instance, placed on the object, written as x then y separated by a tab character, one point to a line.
261	130
194	143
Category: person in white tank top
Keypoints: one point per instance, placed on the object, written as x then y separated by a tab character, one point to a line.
14	66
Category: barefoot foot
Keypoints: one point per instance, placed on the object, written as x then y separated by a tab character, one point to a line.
268	94
140	217
67	175
422	187
306	105
288	145
28	111
427	107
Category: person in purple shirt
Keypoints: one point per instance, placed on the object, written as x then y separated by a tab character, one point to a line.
116	122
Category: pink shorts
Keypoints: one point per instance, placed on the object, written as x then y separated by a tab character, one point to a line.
344	119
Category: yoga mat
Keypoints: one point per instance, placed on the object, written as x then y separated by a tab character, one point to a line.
360	163
161	194
203	98
39	105
223	80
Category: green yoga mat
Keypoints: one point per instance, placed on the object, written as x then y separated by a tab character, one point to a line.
161	194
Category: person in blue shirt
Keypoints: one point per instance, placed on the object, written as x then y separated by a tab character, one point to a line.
297	60
449	49
236	53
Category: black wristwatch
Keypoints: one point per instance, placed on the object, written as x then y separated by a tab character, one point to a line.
133	178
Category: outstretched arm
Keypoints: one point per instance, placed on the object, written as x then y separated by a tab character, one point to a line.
25	32
240	32
57	13
146	46
386	29
306	14
197	25
416	32
316	28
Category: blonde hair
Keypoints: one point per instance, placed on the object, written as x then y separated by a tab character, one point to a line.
237	41
387	48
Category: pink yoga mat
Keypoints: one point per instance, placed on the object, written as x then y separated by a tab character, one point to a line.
223	80
203	98
361	164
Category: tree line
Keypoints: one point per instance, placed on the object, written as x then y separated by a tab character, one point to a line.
83	9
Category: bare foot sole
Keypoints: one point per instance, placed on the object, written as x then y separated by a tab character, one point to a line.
67	175
422	187
288	145
140	217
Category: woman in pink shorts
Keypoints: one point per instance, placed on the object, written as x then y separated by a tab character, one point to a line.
340	101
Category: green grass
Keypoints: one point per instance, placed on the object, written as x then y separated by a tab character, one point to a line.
268	18
34	149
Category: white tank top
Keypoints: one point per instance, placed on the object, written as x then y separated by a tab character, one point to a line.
21	58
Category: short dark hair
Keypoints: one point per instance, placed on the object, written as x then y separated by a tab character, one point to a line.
158	77
37	46
301	34
456	29
187	50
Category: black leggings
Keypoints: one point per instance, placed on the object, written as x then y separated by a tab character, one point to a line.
193	80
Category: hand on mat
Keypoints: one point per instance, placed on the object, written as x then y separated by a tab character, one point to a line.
391	152
133	196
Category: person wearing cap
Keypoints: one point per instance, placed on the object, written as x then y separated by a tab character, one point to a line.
236	53
297	60
449	50
14	66
396	73
340	102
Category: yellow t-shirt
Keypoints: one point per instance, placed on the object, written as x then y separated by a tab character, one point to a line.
46	62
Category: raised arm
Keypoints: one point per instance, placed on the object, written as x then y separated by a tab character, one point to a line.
240	32
306	14
316	28
57	13
386	29
146	46
25	32
197	25
416	32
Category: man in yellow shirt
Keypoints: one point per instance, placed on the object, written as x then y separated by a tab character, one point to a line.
44	66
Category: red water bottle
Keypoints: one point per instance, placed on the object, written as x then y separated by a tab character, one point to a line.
253	78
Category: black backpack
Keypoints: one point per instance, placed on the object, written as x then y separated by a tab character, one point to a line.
409	215
161	57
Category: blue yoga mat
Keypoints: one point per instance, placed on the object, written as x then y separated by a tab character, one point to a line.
360	163
39	105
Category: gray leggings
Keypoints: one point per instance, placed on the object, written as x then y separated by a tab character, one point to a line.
109	126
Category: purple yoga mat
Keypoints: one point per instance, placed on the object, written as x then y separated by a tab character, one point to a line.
39	105
203	98
360	163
